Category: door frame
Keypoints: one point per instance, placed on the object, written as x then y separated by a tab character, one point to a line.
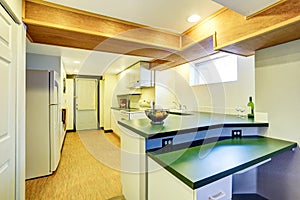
75	92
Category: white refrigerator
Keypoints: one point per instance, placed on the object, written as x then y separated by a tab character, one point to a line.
42	123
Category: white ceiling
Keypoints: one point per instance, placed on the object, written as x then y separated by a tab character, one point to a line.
163	14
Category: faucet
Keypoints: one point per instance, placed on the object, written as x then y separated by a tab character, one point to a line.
178	105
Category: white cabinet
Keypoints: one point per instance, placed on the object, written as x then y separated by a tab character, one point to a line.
115	117
140	75
164	185
133	165
218	190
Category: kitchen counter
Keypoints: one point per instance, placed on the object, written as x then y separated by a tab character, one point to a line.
125	109
201	165
179	124
129	110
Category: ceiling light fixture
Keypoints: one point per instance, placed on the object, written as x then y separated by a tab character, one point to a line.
193	18
76	71
76	62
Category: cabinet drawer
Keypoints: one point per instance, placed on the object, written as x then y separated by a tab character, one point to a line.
218	190
137	115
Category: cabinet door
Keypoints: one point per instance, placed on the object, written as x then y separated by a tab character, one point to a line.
115	117
163	185
133	75
146	77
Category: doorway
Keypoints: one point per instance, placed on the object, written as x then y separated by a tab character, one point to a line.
86	103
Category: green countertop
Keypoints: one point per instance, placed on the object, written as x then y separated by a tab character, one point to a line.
187	123
201	165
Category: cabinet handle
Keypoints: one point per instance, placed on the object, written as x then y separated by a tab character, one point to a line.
218	196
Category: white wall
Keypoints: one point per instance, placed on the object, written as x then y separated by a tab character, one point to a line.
278	93
173	85
43	62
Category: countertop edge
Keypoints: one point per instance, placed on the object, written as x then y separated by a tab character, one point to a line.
201	128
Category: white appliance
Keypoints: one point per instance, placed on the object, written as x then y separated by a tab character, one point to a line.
42	123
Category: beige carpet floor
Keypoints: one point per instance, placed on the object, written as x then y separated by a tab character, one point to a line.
79	175
101	148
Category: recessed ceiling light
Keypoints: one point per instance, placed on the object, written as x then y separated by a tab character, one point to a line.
76	71
76	62
194	18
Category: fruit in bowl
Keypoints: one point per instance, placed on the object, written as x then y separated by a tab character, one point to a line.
157	116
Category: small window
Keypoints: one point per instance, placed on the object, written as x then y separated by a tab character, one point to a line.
218	70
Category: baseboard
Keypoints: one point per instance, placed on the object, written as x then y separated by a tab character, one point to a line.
108	131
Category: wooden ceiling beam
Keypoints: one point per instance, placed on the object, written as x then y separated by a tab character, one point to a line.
44	13
239	35
226	30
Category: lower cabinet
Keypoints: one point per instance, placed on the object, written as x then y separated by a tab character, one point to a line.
133	165
164	185
218	190
115	116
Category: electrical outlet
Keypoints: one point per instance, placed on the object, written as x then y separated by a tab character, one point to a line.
236	133
167	141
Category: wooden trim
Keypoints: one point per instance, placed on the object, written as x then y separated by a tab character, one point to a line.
29	37
266	8
23	9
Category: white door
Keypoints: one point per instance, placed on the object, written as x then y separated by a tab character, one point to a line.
8	67
86	104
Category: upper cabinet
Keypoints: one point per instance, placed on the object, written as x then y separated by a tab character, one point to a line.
140	76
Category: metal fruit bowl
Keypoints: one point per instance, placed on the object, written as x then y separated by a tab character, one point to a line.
157	116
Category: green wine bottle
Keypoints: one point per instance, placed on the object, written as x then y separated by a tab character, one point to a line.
251	108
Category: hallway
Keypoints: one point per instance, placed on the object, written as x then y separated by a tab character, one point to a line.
79	175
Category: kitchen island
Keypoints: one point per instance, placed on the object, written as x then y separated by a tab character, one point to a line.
192	152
